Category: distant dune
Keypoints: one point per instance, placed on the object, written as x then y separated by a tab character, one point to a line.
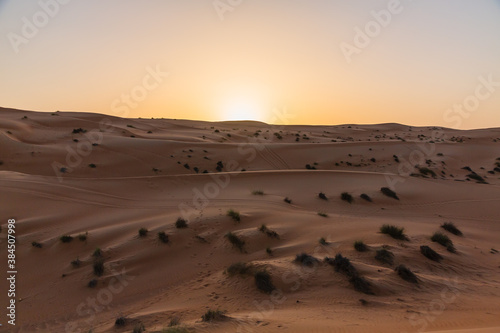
292	190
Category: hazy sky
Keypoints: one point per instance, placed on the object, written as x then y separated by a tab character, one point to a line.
420	62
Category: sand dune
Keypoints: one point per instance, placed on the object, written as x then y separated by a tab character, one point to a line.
104	178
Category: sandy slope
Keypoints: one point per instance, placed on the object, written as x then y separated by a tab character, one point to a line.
140	180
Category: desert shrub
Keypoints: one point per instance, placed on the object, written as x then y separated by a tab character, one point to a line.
365	197
443	240
393	231
213	315
143	232
342	265
310	167
98	267
263	228
430	253
181	223
346	197
239	268
322	195
79	130
92	165
287	200
388	192
269	251
270	233
361	284
450	227
97	253
76	263
92	283
120	321
427	172
323	241
36	244
235	240
258	192
322	214
163	237
234	215
82	237
66	238
305	259
476	177
385	256
360	246
406	274
263	281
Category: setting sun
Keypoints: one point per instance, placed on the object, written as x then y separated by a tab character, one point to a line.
242	108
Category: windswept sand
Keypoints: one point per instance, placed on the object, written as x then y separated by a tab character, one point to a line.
140	181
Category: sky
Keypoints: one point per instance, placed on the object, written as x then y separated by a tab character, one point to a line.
415	62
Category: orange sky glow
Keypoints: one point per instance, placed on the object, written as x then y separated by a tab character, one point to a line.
324	62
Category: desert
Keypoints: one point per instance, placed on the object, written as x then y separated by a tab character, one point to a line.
249	166
256	227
